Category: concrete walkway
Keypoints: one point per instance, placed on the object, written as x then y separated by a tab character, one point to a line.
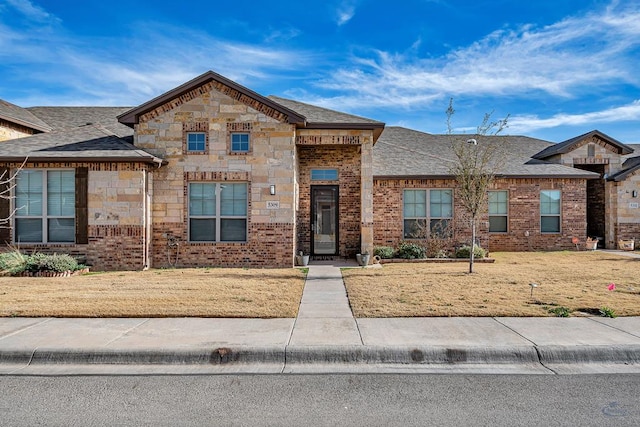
324	337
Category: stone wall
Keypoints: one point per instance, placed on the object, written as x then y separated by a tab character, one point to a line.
523	218
9	130
115	204
270	161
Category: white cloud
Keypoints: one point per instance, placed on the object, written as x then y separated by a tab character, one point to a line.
528	123
31	11
563	60
345	12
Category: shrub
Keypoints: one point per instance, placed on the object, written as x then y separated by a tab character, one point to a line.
13	262
409	250
465	252
384	252
58	263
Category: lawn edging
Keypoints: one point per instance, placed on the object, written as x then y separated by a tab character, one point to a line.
434	260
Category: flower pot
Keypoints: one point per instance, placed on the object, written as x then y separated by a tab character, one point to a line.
363	259
591	245
302	260
626	245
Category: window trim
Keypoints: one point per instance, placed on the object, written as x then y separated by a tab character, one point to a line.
249	145
44	216
204	148
428	218
558	215
324	176
217	216
505	215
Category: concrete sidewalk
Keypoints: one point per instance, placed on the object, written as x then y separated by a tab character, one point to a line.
325	337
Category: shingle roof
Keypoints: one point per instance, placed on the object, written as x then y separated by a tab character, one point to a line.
86	143
402	152
15	114
63	118
132	116
568	145
323	118
315	114
630	165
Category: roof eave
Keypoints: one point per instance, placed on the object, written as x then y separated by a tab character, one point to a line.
501	176
88	159
25	123
131	117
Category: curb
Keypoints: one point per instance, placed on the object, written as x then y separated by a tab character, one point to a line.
218	356
331	355
411	355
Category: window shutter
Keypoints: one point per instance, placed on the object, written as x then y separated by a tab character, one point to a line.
5	208
82	216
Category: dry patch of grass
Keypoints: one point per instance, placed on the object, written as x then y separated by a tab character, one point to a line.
576	280
156	293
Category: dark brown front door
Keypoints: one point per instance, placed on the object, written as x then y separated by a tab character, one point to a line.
324	220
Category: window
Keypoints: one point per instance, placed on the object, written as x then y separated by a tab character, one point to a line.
498	202
45	203
421	218
196	142
550	211
324	174
217	212
591	150
239	142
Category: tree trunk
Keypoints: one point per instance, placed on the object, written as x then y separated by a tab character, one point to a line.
473	244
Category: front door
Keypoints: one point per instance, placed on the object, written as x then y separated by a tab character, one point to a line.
324	220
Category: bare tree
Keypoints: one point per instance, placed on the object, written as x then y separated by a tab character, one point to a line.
477	160
7	184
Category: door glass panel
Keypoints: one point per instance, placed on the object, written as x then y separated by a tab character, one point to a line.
324	224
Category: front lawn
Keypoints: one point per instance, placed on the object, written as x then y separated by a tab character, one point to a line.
578	281
228	292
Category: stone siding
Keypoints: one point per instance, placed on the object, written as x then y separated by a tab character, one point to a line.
218	111
115	204
10	130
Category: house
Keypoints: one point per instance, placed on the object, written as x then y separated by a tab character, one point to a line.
214	174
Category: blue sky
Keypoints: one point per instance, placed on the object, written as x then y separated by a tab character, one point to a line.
559	68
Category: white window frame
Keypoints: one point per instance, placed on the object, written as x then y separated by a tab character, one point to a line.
429	218
44	216
501	215
217	216
547	215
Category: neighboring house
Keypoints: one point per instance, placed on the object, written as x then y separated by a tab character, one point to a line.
214	174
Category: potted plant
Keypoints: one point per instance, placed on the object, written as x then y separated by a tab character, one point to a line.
591	244
363	258
302	259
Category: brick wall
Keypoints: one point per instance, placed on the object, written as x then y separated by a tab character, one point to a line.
346	159
524	214
269	245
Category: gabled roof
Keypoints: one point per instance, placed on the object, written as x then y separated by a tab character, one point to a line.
132	116
91	143
629	166
323	118
570	144
406	153
21	116
64	118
